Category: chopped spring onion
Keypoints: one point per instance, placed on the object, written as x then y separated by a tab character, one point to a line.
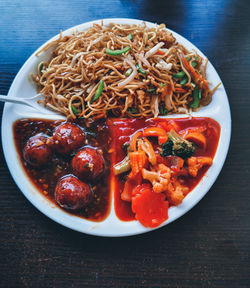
98	92
162	84
128	72
74	110
196	96
140	70
117	52
130	37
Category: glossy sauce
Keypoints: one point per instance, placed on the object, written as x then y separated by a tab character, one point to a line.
45	179
121	131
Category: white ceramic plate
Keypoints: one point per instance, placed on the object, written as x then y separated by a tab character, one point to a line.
218	109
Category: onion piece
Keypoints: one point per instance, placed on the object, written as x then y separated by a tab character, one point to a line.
162	65
75	57
153	50
131	76
94	42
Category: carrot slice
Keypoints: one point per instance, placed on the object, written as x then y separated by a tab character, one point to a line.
138	160
151	209
198	138
157	132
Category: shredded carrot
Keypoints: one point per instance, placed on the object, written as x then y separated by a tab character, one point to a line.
133	140
191	69
198	138
138	160
160	52
157	132
178	89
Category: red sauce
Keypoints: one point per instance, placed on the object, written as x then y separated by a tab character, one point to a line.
45	179
109	135
122	129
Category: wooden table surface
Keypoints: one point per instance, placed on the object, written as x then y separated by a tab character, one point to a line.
210	245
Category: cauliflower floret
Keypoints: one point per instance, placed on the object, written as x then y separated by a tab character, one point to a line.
196	163
159	177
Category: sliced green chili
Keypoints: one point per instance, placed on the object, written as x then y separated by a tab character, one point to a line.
128	72
130	37
151	90
74	110
184	80
179	75
98	92
117	52
196	95
140	69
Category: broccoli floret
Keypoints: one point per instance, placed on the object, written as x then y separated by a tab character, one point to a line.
177	146
167	148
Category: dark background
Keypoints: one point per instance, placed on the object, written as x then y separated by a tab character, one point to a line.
210	245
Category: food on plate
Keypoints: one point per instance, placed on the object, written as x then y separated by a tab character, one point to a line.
163	160
37	151
149	164
68	137
122	70
72	194
79	190
88	163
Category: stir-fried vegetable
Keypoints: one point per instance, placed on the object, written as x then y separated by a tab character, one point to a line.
140	69
179	75
196	97
156	132
196	75
122	166
128	72
198	138
150	208
74	110
98	92
117	52
177	146
130	37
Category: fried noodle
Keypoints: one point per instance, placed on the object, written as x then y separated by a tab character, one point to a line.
138	83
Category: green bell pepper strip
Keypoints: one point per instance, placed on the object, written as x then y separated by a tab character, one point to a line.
184	80
140	70
130	37
179	75
98	92
196	97
74	110
117	52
